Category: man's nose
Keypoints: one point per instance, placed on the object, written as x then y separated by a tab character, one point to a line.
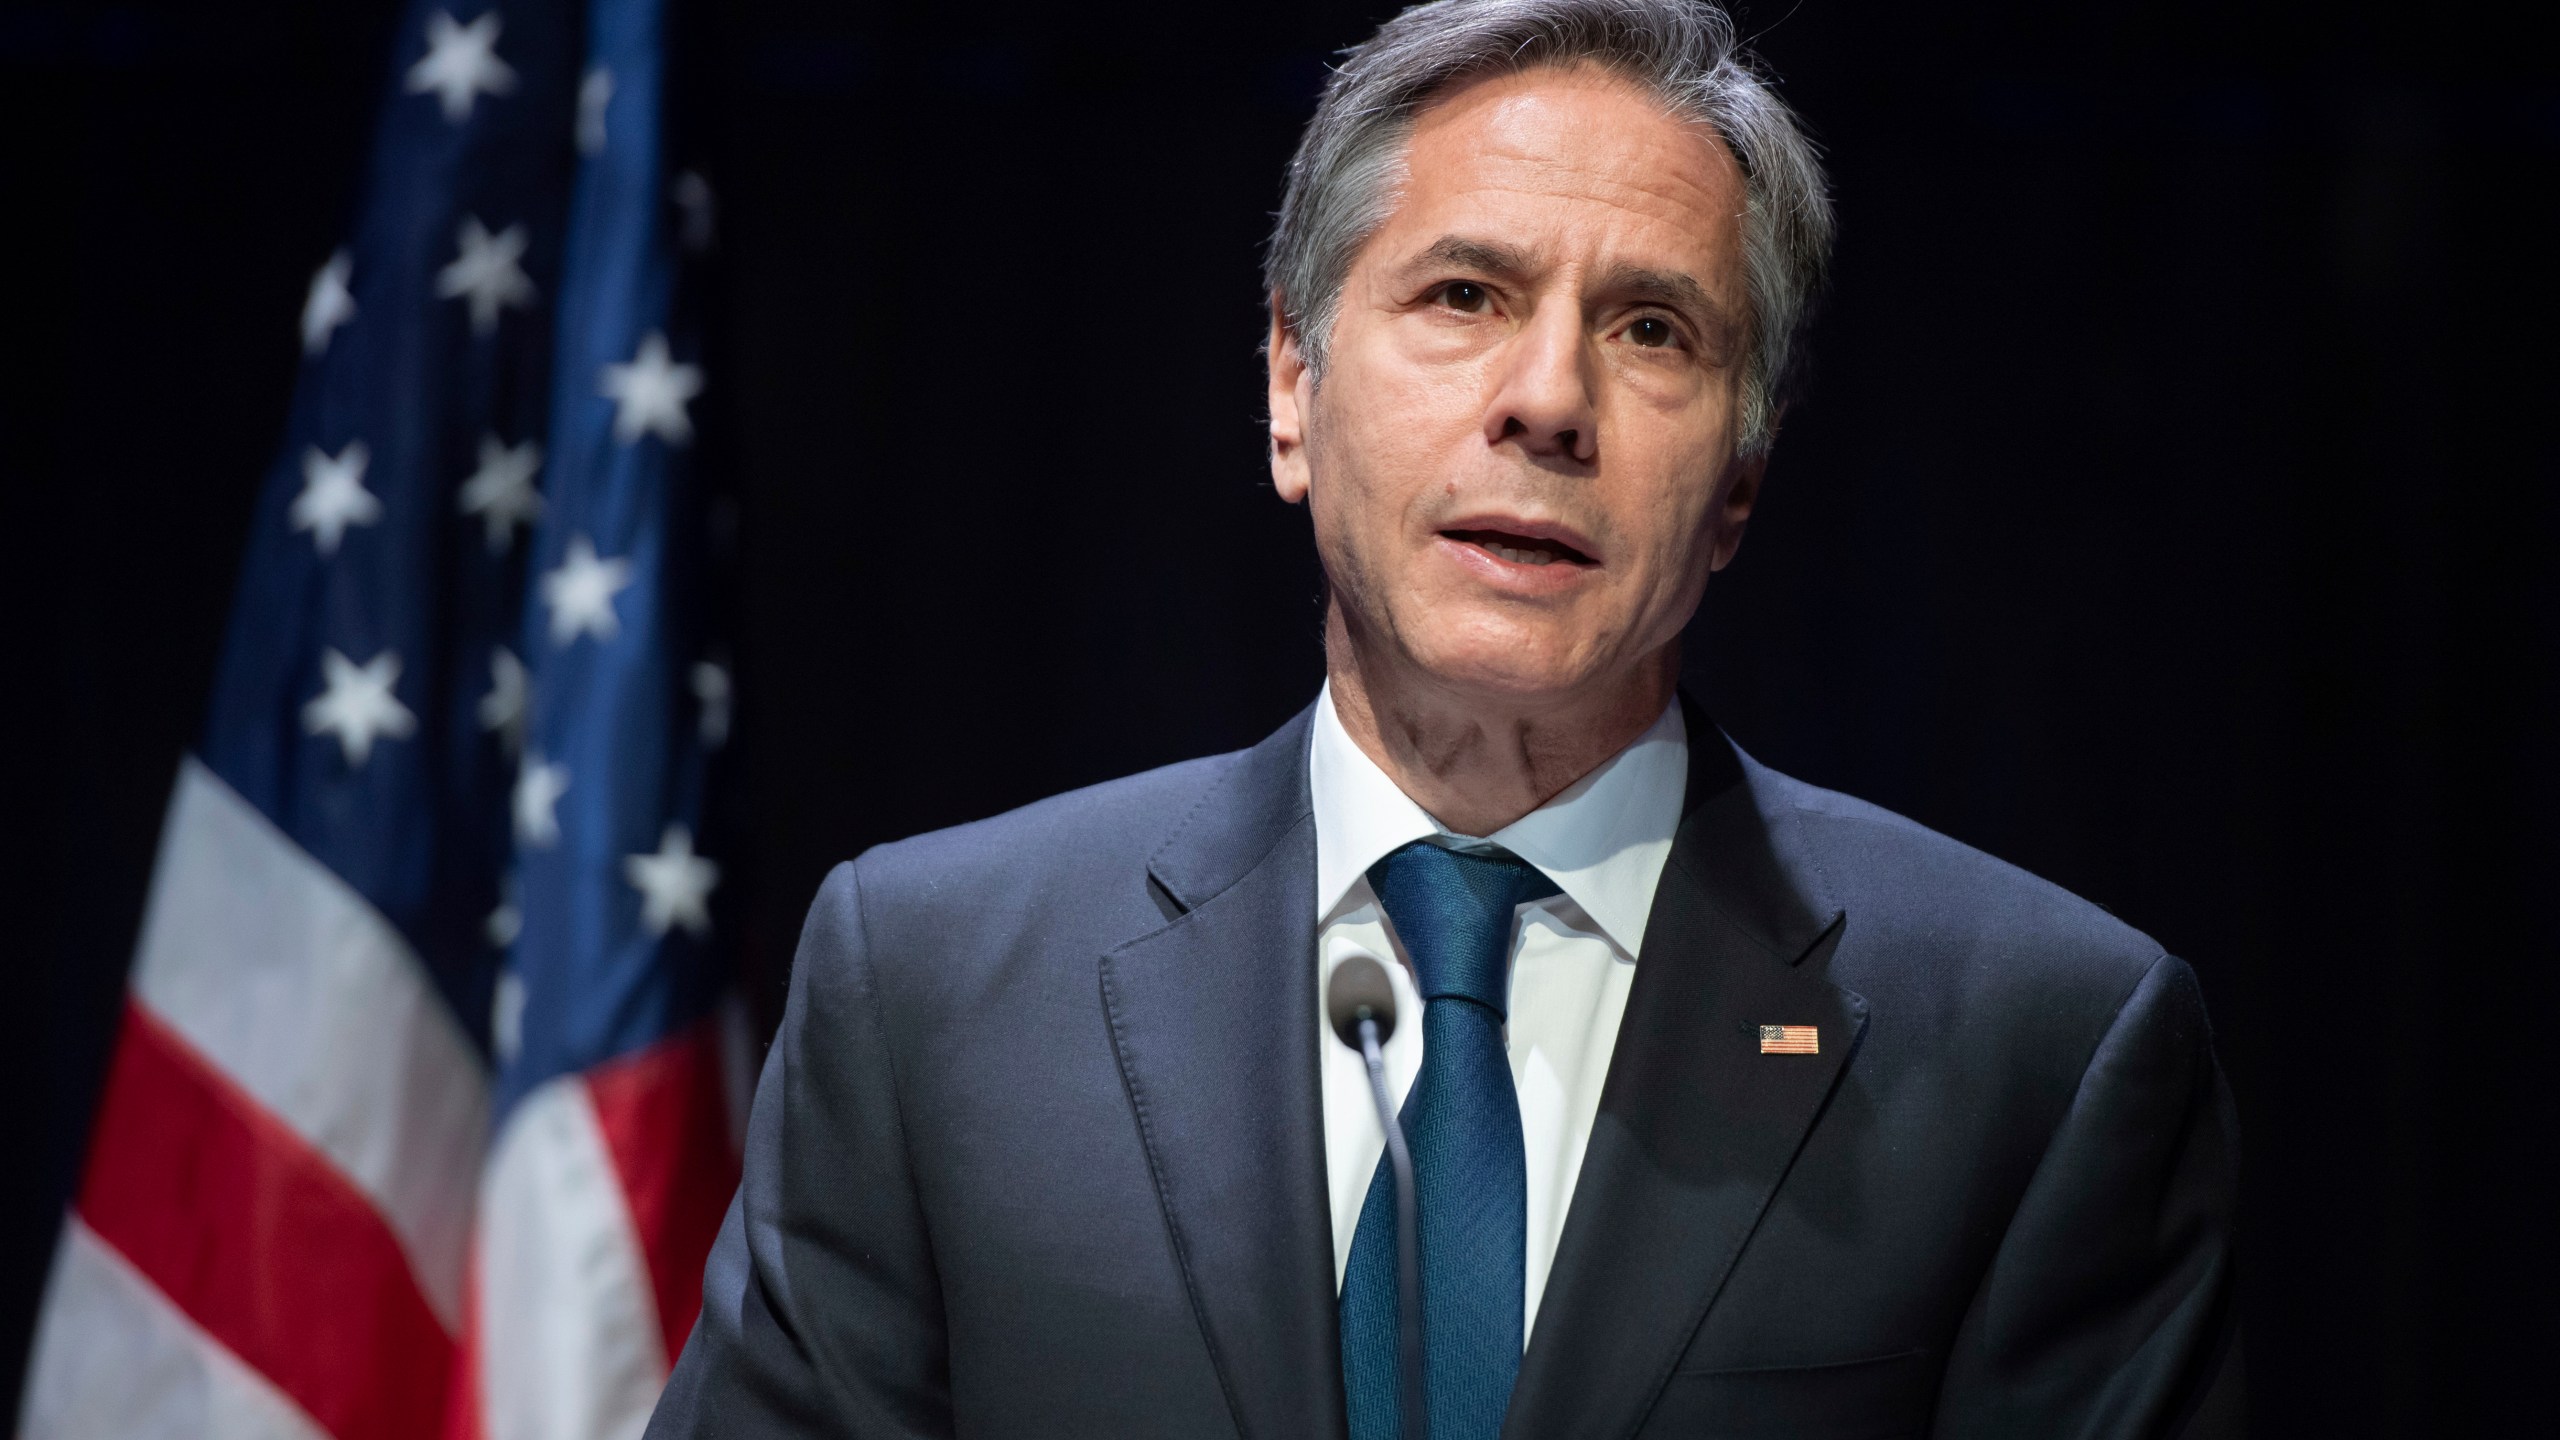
1542	390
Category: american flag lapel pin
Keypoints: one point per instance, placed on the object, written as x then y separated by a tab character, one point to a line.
1790	1040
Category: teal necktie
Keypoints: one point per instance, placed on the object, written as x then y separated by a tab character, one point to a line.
1453	912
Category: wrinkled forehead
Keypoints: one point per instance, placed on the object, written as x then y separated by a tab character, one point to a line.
1570	158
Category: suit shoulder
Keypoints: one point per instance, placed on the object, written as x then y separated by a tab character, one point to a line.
1942	895
955	921
1106	827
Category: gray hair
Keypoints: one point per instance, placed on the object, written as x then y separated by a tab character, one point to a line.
1350	163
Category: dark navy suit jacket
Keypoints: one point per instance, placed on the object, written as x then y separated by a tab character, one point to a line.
1037	1150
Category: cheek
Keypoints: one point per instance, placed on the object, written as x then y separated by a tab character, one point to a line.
1344	499
1385	444
1409	378
1417	417
1679	529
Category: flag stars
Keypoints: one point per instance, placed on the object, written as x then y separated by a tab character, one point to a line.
333	495
501	491
357	706
539	786
461	64
506	1017
502	710
650	393
486	271
580	593
674	884
506	922
594	94
330	303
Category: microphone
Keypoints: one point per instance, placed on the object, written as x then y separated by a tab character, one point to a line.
1361	1006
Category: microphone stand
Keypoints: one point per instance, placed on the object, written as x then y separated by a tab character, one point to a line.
1417	1425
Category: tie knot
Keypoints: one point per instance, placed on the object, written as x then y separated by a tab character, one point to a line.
1453	912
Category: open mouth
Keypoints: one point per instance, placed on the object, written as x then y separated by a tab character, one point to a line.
1520	549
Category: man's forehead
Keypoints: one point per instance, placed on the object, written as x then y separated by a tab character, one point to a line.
1581	116
1512	160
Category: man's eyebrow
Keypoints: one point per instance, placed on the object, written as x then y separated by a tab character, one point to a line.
1673	288
1664	287
1482	256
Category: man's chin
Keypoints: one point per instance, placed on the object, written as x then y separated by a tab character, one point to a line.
1503	657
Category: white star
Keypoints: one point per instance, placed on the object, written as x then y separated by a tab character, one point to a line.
461	63
711	690
506	1016
650	393
539	787
330	303
580	593
359	705
594	94
507	921
484	268
674	884
502	709
501	491
333	495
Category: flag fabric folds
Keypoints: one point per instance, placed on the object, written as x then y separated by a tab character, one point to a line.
422	1115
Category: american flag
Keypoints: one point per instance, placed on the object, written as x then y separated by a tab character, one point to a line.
421	1118
1790	1040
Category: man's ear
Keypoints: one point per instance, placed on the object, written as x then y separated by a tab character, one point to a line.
1733	512
1288	412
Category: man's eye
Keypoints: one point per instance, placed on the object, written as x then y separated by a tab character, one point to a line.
1465	295
1652	332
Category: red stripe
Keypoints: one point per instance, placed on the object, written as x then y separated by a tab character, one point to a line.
259	1239
666	1121
464	1417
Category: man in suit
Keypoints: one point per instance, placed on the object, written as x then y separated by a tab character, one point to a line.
1738	1108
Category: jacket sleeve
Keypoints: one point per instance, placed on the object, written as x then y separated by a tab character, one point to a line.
2109	1307
821	1309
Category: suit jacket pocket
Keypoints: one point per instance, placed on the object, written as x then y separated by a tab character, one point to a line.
1882	1398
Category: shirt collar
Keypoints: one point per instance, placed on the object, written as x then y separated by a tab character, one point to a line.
1603	841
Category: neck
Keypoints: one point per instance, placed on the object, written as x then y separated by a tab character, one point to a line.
1477	762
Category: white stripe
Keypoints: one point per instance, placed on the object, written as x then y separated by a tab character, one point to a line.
115	1360
569	1338
293	984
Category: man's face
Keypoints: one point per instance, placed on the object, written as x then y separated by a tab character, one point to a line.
1521	457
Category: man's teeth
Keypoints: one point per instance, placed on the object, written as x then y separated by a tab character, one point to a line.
1518	557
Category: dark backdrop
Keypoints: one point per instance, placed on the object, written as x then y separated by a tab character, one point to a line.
2173	515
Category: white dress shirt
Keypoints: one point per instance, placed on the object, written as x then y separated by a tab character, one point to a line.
1603	842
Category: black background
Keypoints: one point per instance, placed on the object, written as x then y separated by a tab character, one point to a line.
2173	514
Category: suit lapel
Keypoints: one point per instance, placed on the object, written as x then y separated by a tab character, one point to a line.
1696	1127
1213	1022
